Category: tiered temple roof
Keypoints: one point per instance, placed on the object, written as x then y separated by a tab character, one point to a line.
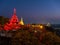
13	22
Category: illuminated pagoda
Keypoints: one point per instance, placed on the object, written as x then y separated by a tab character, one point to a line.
48	24
21	21
13	22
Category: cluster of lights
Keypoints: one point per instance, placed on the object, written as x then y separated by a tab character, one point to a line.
40	26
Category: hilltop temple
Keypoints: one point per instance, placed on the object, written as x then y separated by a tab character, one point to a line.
13	22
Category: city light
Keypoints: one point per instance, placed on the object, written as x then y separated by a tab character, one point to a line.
41	26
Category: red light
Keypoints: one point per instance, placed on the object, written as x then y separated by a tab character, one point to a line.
13	22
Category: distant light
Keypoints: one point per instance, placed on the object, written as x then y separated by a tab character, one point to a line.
41	27
35	31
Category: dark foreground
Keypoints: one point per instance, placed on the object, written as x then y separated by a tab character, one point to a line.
30	36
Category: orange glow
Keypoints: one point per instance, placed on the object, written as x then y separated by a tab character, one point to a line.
41	27
21	22
35	31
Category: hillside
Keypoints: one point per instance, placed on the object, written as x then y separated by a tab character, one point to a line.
30	36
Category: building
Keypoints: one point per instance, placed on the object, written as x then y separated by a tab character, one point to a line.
13	22
21	21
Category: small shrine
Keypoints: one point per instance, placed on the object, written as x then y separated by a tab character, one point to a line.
21	21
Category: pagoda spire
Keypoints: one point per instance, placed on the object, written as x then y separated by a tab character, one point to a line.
21	21
14	18
14	11
48	24
13	22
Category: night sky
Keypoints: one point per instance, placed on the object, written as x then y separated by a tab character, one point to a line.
32	11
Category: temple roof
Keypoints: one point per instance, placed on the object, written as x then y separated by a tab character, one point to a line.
14	17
